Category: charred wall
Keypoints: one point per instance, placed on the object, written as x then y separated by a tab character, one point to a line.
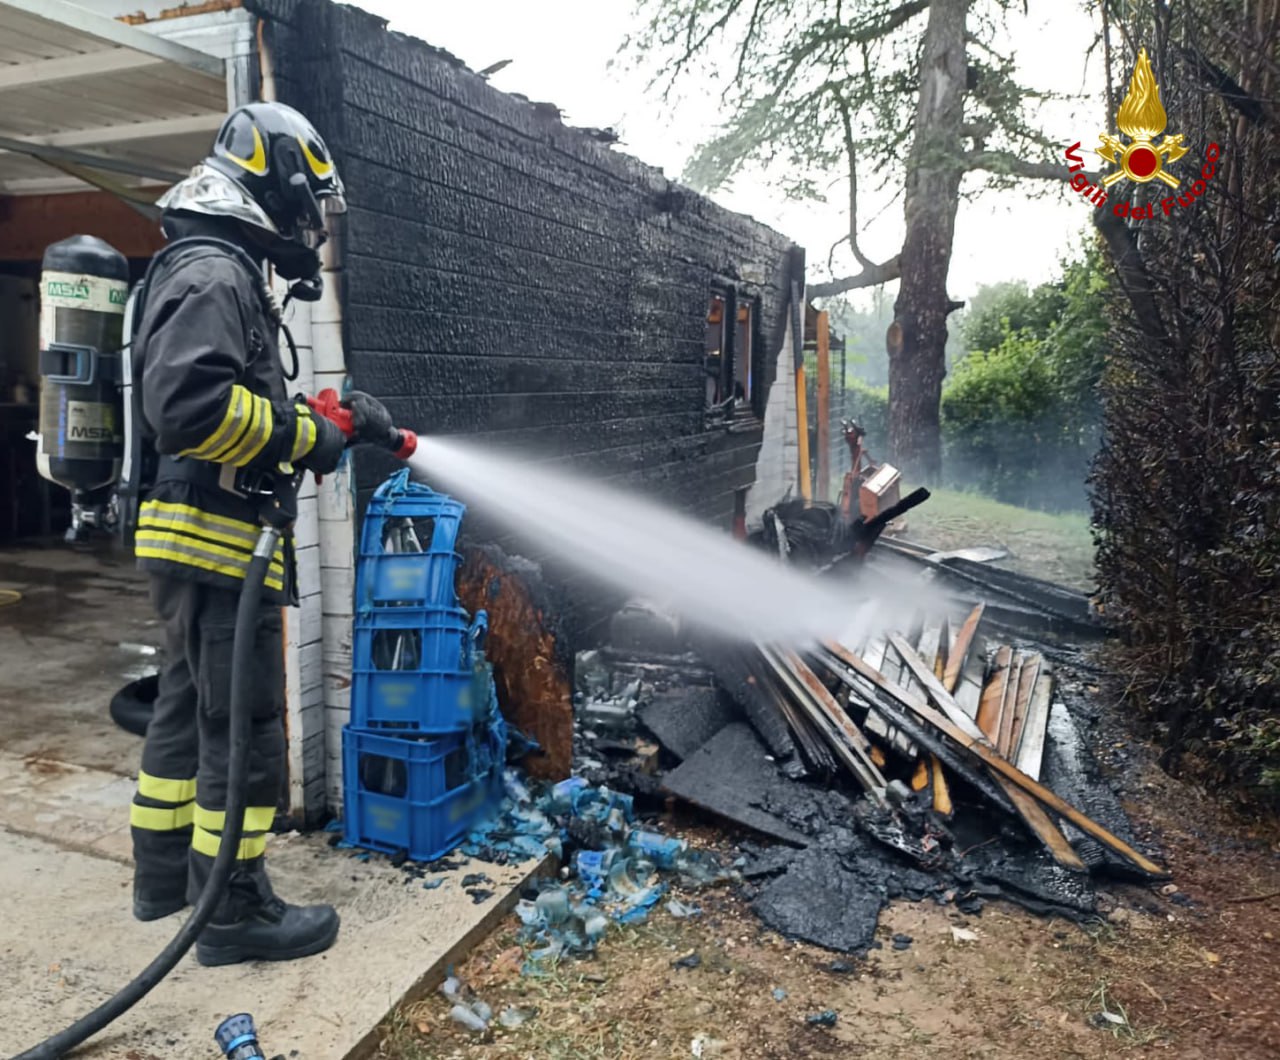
509	277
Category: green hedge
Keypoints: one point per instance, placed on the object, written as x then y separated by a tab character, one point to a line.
1009	432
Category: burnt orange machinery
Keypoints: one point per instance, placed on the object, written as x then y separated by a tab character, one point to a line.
877	487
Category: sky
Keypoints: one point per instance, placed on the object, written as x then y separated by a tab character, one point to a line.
566	52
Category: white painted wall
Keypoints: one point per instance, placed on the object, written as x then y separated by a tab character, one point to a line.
778	463
318	630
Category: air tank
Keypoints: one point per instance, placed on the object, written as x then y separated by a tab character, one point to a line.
84	286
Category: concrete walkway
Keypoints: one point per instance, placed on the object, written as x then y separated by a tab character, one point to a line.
67	939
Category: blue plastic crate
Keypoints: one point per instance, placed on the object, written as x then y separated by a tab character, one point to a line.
416	671
422	831
412	768
426	703
407	548
419	797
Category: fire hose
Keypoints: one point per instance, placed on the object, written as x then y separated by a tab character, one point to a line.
276	518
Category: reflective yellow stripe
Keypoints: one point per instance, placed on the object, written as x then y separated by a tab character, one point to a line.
155	819
304	435
256	818
194	526
206	843
174	554
259	433
199	514
233	421
185	542
244	424
165	790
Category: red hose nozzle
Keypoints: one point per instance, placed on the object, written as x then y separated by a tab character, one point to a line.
402	442
408	444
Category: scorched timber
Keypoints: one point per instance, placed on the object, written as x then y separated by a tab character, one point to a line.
845	738
979	747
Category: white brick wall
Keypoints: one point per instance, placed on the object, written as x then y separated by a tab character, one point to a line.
318	630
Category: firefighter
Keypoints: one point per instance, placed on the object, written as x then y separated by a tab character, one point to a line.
213	395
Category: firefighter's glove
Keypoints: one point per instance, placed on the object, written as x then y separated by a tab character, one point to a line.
371	420
323	457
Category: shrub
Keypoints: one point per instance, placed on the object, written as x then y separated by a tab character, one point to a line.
1187	487
1007	431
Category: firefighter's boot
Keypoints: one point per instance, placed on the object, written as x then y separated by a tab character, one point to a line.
252	924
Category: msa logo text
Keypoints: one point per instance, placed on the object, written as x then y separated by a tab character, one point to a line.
89	434
62	289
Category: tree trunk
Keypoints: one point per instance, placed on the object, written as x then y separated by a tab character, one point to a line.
917	339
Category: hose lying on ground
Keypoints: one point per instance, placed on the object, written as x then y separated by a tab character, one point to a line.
242	693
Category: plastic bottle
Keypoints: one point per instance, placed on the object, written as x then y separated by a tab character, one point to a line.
564	795
553	904
660	849
469	1019
593	866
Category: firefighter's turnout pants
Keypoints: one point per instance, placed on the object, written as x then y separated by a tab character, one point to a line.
182	787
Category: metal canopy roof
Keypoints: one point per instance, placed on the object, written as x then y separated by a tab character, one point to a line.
88	92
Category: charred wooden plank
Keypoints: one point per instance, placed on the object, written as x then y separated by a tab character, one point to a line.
1029	810
883	697
951	721
1008	709
1022	703
941	788
813	697
991	707
960	649
1031	749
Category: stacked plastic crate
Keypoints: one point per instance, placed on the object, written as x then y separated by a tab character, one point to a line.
422	757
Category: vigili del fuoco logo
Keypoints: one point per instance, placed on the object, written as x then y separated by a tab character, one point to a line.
1141	118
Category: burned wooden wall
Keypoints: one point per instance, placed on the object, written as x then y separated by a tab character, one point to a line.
510	277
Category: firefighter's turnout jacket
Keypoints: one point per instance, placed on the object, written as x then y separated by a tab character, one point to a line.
213	397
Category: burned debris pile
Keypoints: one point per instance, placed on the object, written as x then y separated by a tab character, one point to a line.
932	762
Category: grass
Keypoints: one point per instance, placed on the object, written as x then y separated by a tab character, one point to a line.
1058	547
1108	1014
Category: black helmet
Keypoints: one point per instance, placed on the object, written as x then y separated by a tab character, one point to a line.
277	156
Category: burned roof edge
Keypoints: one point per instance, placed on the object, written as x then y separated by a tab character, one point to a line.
592	146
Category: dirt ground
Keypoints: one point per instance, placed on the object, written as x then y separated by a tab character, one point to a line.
1188	970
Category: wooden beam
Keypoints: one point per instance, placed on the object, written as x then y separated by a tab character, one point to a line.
74	67
802	429
847	740
1030	755
950	720
960	649
991	706
823	490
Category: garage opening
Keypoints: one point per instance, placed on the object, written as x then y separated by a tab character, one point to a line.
93	112
33	507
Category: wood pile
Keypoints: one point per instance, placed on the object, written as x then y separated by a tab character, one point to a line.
922	711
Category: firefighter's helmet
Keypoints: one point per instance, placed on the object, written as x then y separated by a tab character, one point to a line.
277	156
